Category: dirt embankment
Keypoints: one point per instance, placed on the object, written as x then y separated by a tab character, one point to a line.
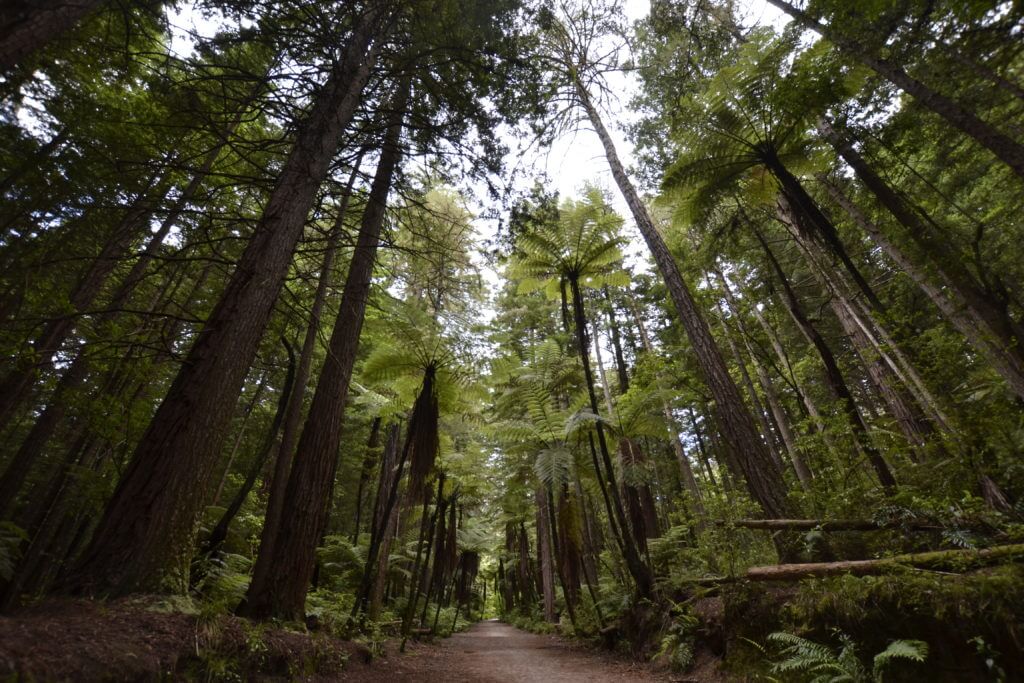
82	640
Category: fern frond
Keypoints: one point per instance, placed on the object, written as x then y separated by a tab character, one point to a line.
552	466
910	650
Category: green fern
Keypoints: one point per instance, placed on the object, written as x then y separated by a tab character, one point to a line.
552	466
910	650
819	663
743	122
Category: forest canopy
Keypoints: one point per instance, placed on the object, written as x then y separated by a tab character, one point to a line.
292	326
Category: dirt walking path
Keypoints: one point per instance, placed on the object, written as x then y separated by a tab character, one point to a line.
492	652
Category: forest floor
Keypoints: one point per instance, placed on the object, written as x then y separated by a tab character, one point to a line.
493	652
143	639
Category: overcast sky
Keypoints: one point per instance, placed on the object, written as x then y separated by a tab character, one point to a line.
575	159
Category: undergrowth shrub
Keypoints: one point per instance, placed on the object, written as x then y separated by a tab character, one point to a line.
800	659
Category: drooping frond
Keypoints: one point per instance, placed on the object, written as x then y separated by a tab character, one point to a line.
552	466
910	650
423	434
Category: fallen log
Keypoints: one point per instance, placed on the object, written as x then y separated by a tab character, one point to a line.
826	525
947	559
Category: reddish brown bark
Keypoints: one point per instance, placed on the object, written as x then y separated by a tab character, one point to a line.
293	418
220	530
144	539
281	592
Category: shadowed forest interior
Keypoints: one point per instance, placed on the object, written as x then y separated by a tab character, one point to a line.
300	348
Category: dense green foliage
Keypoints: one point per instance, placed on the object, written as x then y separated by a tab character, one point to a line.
255	349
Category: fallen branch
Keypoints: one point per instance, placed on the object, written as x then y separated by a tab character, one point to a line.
826	525
929	560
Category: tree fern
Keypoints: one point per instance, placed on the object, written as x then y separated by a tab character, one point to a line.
745	120
552	466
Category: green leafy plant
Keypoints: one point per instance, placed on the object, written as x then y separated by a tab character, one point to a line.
820	663
990	655
677	645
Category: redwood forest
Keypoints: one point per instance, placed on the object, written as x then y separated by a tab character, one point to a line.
512	340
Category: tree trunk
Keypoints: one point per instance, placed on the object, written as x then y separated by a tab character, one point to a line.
220	531
748	384
803	472
384	514
961	322
418	576
620	359
547	566
568	549
813	224
830	525
957	560
685	469
590	550
763	479
956	293
286	452
785	368
833	375
570	590
143	542
257	394
380	562
283	569
16	384
1006	149
364	474
702	451
640	572
432	574
73	378
981	70
879	366
422	420
28	25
